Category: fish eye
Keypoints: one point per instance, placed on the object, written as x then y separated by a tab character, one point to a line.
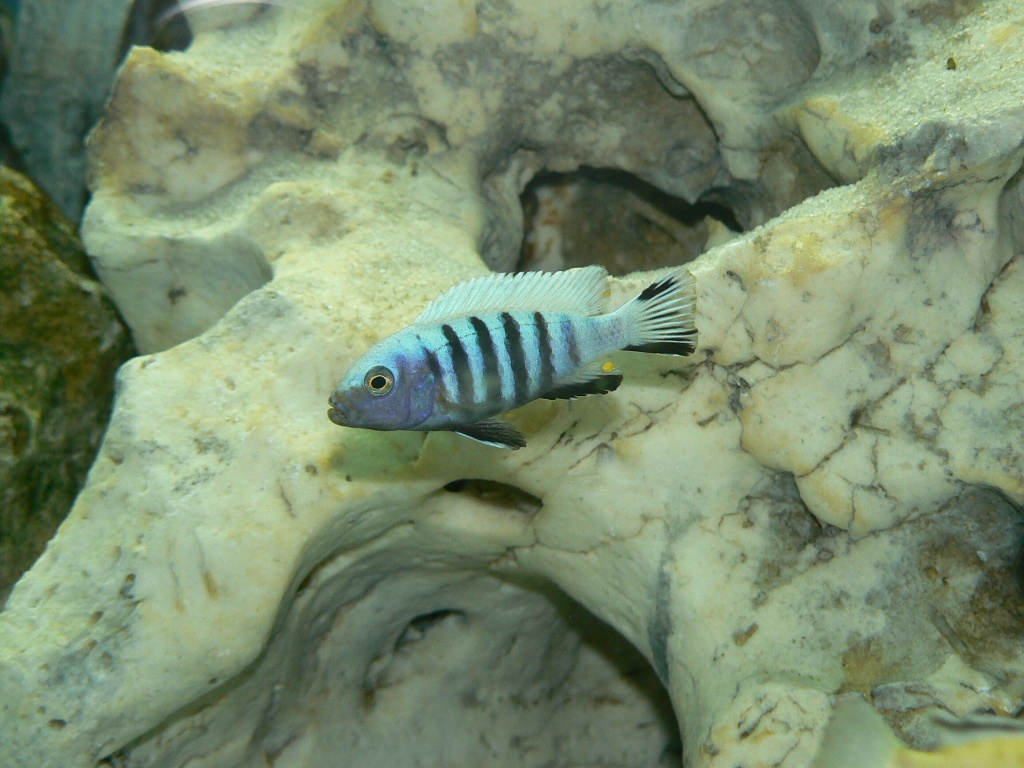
379	380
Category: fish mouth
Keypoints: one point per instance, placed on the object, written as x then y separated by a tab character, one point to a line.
335	412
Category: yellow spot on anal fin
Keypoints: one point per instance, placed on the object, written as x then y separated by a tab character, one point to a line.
608	367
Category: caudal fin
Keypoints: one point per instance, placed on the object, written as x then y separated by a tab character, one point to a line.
660	319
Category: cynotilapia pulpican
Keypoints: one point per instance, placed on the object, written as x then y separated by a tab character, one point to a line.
495	343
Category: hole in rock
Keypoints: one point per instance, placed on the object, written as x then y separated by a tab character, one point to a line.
497	494
615	219
991	548
483	684
418	627
402	658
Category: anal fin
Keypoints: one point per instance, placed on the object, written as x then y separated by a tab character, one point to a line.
595	378
683	347
494	433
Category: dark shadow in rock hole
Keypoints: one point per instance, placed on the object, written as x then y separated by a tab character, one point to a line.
497	494
419	626
613	218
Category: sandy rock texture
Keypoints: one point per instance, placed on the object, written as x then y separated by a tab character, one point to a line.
823	500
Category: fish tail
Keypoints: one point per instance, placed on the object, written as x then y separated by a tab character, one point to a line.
856	737
661	318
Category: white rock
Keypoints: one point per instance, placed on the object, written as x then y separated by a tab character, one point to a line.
243	584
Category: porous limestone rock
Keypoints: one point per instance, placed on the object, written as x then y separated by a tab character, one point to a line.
822	500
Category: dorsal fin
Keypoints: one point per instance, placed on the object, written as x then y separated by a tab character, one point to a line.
574	290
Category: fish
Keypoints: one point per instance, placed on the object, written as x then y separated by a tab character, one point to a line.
495	343
858	737
179	8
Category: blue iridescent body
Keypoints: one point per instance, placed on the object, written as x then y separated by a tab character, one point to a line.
493	344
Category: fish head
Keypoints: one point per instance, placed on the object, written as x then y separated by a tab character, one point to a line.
387	388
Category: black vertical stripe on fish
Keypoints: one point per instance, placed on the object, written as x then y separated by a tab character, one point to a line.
490	357
435	366
514	349
547	365
435	370
571	343
460	363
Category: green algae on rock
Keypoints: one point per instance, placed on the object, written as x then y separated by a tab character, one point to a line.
61	341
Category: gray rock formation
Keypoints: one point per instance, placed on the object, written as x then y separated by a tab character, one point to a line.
57	81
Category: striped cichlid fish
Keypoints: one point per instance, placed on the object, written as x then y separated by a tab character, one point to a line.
495	343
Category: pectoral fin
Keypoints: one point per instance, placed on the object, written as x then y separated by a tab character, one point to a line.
494	433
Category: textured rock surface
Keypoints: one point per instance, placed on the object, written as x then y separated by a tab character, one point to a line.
61	342
822	501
